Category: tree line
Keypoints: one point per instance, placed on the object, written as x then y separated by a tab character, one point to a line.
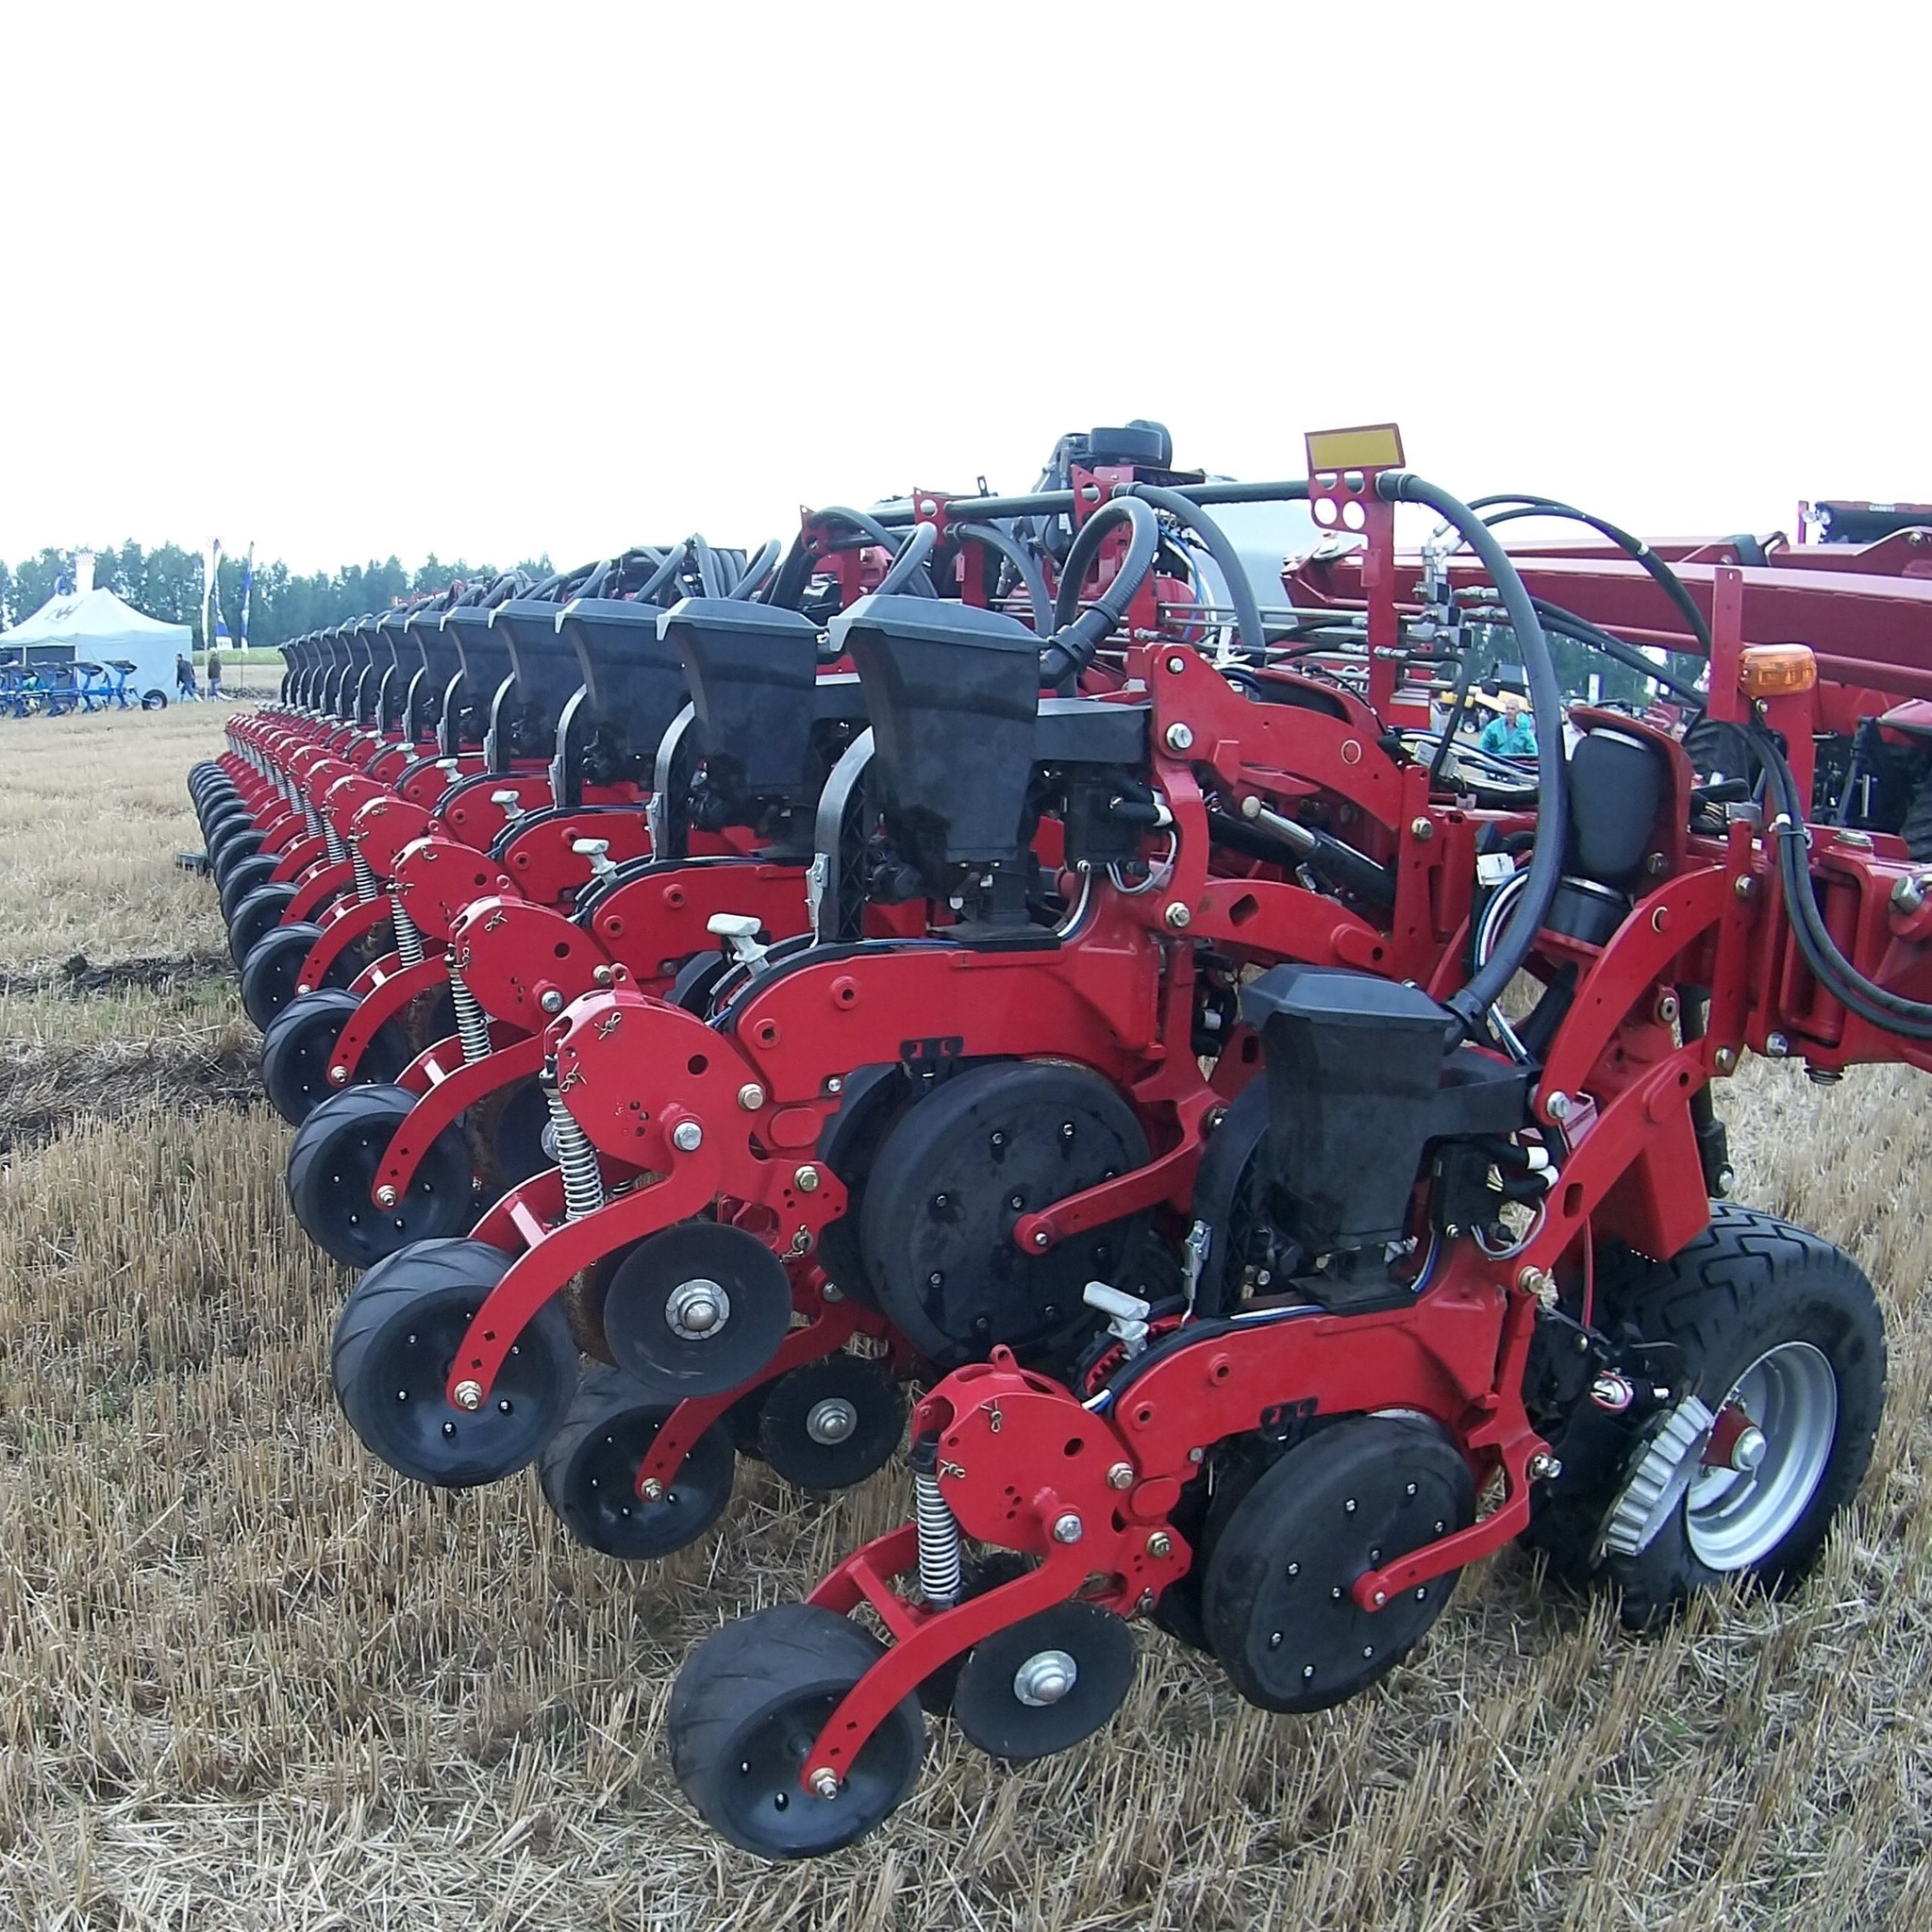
282	604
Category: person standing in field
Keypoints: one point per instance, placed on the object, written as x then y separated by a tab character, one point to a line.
1512	734
184	675
214	677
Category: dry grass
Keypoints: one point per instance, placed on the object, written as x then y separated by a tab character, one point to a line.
249	1679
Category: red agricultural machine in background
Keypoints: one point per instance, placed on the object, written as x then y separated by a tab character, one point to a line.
1276	1141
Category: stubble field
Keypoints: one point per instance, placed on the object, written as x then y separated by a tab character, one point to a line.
249	1679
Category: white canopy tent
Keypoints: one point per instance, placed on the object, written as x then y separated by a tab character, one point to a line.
96	627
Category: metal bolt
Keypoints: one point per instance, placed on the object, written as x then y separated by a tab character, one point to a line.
602	976
339	1076
1308	1672
751	1096
1179	736
807	1179
1612	1392
1120	1477
1381	1597
1161	1544
1535	1281
1557	1105
1777	1046
1745	885
1656	865
1908	893
831	1421
469	1394
1042	1239
651	1489
1045	1678
1177	665
552	1001
1747	1452
834	1084
1178	916
1422	829
1068	1528
1726	1179
385	1197
1544	1468
825	1784
696	1308
1667	1007
1724	1060
687	1137
1348	1507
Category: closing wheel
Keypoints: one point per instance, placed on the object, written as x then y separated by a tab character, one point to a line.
258	914
1278	1604
334	1162
698	1309
272	969
745	1711
395	1342
589	1474
830	1423
1782	1342
299	1045
1045	1682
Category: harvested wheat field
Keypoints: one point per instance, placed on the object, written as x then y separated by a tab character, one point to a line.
249	1679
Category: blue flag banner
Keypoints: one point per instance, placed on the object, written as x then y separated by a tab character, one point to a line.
247	585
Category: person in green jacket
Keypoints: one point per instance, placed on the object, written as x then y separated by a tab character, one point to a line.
1512	734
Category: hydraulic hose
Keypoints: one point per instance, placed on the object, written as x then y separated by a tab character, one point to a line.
1075	639
1247	611
1025	565
1581	630
1634	547
1893	1012
756	572
1546	706
916	545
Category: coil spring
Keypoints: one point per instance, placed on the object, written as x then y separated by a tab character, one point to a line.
333	839
312	818
583	1181
365	877
939	1542
473	1029
408	934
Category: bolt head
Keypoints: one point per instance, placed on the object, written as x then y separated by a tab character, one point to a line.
1777	1046
386	1196
1068	1528
1120	1477
1725	1059
339	1076
1745	886
651	1489
1557	1107
552	1001
1667	1007
469	1395
602	976
1422	829
1161	1544
807	1179
1176	664
302	985
1381	1598
1178	916
1748	1451
825	1784
687	1137
1042	1239
751	1096
1179	737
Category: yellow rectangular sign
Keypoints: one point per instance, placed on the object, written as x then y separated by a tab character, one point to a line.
1378	446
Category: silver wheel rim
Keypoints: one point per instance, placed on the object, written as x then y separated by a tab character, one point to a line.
1735	1518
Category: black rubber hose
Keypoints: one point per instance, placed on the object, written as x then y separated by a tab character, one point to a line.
1025	561
865	524
1893	1012
756	572
1247	612
1546	706
666	572
914	549
1075	639
1595	638
1636	548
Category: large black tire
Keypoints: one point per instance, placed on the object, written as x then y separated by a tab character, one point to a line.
746	1708
335	1160
1749	1285
242	877
394	1344
589	1474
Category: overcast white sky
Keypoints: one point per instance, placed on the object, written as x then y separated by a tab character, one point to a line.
490	281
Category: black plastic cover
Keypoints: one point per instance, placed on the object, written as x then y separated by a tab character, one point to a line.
751	670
